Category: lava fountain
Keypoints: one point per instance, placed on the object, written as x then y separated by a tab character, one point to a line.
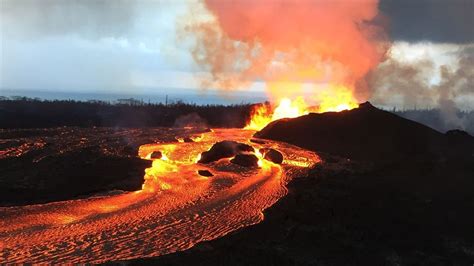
311	55
262	114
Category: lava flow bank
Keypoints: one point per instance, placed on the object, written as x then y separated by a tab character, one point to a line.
193	192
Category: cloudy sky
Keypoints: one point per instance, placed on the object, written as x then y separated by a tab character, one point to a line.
125	46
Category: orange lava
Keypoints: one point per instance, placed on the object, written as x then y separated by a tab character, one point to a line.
176	208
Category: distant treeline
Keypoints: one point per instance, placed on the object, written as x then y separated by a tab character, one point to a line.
441	120
22	112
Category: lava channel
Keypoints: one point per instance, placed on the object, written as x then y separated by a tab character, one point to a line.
176	208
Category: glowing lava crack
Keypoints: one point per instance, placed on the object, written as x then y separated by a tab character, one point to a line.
177	207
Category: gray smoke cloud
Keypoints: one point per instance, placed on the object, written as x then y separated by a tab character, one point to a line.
455	83
423	83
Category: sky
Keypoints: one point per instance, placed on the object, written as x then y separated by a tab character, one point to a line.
134	47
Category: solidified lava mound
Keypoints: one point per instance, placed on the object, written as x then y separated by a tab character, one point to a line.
245	160
272	155
205	173
156	155
365	133
224	149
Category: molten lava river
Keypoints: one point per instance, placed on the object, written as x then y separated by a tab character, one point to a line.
176	208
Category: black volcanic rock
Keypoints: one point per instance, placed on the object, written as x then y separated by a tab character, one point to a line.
156	155
245	160
272	155
205	173
364	133
224	149
244	148
259	141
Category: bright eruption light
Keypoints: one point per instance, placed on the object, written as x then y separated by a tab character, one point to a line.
339	98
